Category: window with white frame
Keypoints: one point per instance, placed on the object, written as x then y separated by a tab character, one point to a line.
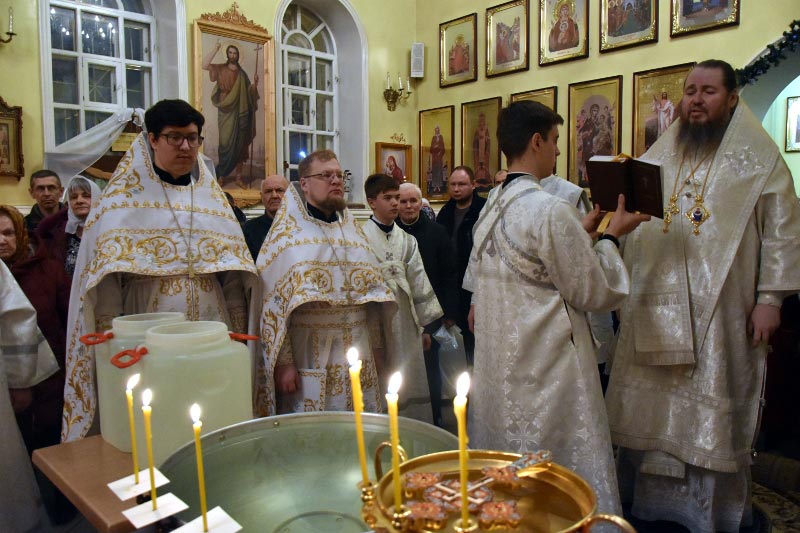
308	87
100	59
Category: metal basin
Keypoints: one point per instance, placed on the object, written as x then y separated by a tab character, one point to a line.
292	473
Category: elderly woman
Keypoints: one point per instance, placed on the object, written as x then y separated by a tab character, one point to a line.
47	286
61	233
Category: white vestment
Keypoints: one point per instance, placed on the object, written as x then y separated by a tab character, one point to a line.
25	360
686	382
534	272
323	293
417	307
151	246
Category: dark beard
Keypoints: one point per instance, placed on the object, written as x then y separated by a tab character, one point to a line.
707	136
334	204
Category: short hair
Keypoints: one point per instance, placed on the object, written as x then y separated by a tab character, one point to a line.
411	186
319	155
44	173
79	183
379	183
519	122
172	113
466	169
728	74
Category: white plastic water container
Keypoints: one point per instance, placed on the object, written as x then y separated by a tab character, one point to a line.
128	332
186	363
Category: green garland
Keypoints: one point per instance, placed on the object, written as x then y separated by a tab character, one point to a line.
772	56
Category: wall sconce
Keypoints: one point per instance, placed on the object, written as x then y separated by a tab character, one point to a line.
10	31
392	95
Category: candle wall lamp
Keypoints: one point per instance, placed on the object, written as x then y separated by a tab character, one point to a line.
392	95
10	31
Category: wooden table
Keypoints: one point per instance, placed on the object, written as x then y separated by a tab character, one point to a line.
81	469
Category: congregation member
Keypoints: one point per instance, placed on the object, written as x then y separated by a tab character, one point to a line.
255	231
162	238
458	216
534	272
46	286
62	232
500	176
323	294
398	254
707	286
25	360
45	189
438	260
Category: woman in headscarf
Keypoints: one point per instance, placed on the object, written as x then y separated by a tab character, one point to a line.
61	233
46	285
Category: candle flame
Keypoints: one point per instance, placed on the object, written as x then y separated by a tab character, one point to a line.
133	381
352	355
147	397
462	385
394	383
194	412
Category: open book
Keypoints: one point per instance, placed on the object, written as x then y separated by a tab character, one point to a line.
639	181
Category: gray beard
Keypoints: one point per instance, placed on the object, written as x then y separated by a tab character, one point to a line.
703	137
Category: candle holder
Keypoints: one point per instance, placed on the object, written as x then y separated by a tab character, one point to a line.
400	517
392	96
458	527
10	31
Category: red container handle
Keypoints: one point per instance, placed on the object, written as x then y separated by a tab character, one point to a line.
242	336
127	358
90	339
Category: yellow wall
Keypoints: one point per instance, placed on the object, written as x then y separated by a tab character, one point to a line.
390	28
737	45
19	62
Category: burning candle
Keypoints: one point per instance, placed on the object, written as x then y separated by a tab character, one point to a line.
147	397
391	400
194	412
460	409
358	406
132	382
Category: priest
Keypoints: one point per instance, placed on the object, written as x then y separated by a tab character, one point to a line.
163	238
707	285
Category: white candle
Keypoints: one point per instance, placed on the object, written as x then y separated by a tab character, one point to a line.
10	20
388	83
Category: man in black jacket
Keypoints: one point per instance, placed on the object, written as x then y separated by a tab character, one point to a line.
458	216
440	266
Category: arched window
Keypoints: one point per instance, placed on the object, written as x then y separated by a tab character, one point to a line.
98	57
309	87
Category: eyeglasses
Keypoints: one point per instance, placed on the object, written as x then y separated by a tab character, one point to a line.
176	139
327	176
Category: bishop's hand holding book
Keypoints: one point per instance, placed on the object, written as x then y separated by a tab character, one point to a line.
640	182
